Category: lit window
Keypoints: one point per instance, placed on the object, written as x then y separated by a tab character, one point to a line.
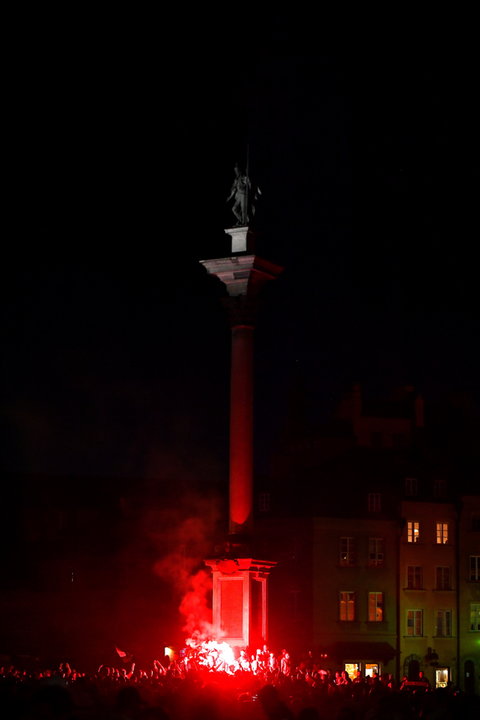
264	502
414	577
443	623
374	502
411	486
347	605
442	533
414	623
347	551
442	578
475	617
475	568
413	532
376	551
375	606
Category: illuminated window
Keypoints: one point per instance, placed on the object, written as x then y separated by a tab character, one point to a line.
347	551
475	617
414	623
374	502
443	623
414	577
347	605
413	532
442	578
375	606
351	669
442	533
441	677
475	568
440	487
376	551
411	486
264	502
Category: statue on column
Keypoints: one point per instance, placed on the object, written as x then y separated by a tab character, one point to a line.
243	197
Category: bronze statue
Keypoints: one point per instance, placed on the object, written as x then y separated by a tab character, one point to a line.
242	196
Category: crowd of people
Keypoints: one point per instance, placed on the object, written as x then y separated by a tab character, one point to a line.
207	683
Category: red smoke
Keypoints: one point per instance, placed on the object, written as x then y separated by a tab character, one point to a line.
190	543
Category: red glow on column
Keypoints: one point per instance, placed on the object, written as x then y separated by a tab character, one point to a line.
241	429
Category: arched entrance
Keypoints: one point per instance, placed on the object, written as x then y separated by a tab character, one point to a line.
411	666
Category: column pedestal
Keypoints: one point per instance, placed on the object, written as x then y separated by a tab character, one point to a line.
240	600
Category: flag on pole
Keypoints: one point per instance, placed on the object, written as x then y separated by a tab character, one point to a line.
125	656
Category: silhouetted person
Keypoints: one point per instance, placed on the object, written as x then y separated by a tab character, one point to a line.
273	707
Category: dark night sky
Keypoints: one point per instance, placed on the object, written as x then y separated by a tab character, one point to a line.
114	344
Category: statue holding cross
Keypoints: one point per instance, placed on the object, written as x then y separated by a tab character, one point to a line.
243	198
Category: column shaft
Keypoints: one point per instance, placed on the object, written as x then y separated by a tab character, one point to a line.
241	430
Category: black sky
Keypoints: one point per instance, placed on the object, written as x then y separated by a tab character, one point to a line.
115	346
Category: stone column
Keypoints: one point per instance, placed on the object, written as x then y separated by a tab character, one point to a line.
241	431
240	582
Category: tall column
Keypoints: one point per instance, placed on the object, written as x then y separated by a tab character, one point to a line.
240	590
241	431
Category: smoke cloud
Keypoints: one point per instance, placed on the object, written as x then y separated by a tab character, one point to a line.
189	533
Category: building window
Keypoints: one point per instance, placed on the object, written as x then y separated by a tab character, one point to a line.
347	605
414	577
376	551
475	617
440	488
414	623
476	523
413	532
475	568
442	533
375	606
374	502
443	623
442	578
411	486
347	551
264	502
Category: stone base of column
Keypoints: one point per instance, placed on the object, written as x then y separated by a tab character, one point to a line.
240	596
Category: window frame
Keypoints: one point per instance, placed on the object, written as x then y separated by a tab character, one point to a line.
441	532
442	573
347	605
446	622
415	573
376	606
411	486
350	559
376	551
439	488
474	568
416	613
475	617
413	531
